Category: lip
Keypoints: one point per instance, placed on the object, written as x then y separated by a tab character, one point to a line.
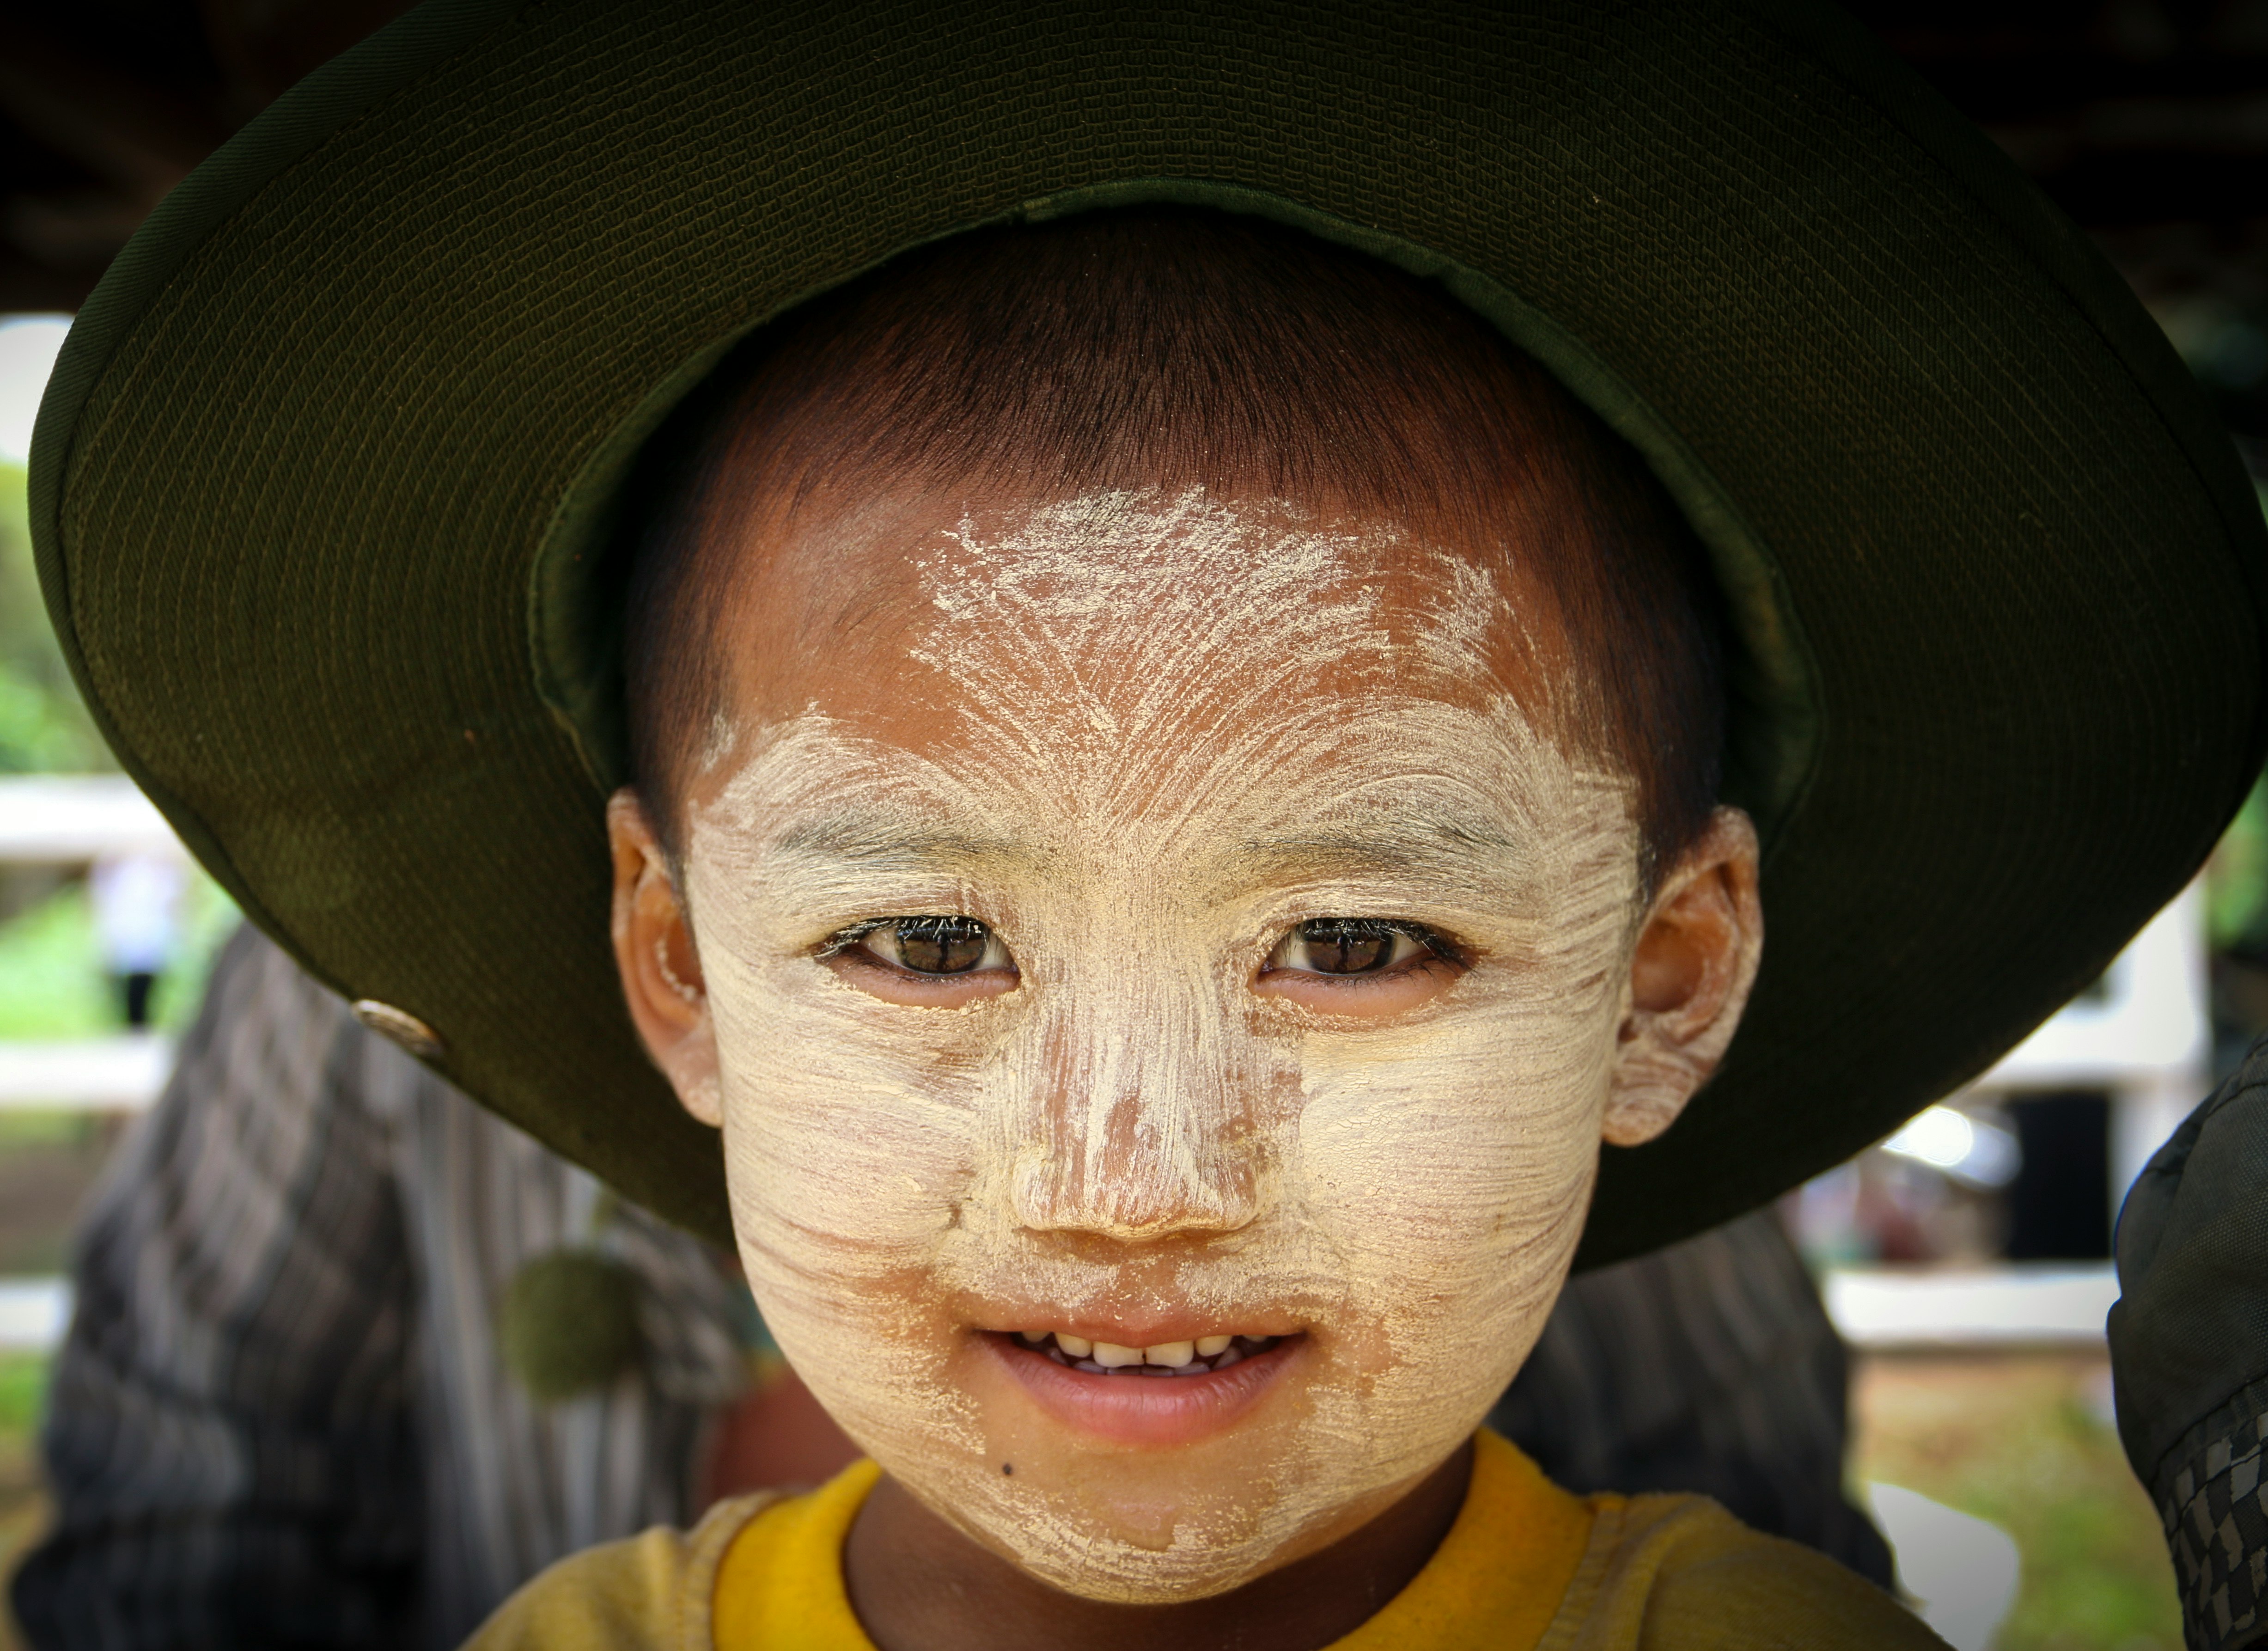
1156	1411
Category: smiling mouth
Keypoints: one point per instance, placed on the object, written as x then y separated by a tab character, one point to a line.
1201	1356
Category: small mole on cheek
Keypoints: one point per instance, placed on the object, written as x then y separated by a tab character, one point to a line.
1008	1467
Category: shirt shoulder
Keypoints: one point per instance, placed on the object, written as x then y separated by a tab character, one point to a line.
651	1592
1679	1574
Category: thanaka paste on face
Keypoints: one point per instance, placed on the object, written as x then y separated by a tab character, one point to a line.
1180	728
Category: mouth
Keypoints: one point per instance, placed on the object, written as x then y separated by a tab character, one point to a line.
1206	1384
1200	1356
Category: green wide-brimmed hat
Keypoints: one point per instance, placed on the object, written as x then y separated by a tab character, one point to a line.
321	486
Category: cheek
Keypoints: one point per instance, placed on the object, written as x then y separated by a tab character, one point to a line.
1452	1168
845	1151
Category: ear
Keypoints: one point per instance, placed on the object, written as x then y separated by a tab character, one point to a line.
1690	971
660	970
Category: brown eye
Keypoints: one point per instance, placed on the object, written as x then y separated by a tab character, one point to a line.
941	946
1335	948
1353	946
934	946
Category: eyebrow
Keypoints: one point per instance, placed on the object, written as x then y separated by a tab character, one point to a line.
874	839
887	840
1410	845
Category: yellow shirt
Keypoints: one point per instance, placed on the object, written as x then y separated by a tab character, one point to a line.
1525	1565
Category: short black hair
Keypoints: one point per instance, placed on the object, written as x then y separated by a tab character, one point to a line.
1168	349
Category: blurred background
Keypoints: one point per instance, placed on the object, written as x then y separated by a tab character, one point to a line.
1965	1259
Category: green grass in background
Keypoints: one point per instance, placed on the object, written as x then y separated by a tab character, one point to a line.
23	1507
2020	1439
42	1126
43	727
52	985
2236	878
51	981
23	1392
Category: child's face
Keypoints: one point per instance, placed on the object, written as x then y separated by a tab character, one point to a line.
1142	741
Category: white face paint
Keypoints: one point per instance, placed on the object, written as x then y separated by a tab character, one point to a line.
1161	734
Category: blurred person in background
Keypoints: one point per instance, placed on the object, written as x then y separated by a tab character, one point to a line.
353	1360
137	903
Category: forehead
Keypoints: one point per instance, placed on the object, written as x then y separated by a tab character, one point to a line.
1137	615
1208	695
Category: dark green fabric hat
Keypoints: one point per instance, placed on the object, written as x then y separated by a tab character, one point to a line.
320	483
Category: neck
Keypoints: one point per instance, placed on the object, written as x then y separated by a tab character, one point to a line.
918	1584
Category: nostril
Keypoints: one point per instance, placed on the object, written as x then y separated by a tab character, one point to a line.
1130	1214
1049	1194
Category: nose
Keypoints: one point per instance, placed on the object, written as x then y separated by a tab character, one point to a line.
1138	1126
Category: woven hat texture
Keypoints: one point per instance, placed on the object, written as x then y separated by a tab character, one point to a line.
322	484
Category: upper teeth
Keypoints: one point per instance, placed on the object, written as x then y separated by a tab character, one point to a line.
1165	1355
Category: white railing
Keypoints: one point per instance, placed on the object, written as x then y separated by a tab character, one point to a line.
33	1313
76	819
99	1074
2008	1305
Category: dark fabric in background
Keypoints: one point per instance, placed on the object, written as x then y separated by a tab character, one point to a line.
1709	1367
2189	1354
279	1417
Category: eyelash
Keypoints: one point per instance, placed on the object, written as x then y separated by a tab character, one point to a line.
1344	933
843	939
939	930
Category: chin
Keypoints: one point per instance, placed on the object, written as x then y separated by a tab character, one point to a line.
1164	1526
1120	1556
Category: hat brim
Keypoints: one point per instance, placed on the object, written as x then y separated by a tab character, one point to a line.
320	484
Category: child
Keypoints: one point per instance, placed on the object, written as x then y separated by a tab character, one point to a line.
1173	773
1192	767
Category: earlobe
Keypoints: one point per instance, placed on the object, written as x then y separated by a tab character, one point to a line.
654	955
1690	972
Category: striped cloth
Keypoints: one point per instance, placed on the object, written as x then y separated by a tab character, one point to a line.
279	1418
